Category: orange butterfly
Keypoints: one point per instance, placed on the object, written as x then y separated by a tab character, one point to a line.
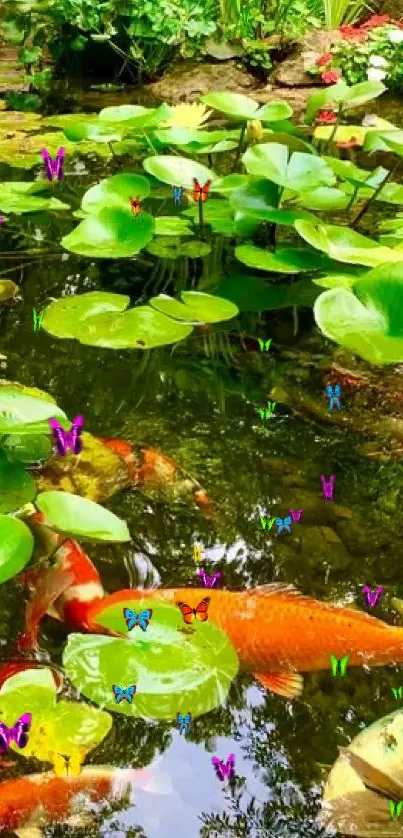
135	205
200	611
200	193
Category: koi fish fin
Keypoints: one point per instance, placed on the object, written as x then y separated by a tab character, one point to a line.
361	813
375	779
49	588
286	684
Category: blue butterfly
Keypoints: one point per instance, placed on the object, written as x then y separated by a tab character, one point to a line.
121	694
184	722
177	193
142	619
283	522
333	395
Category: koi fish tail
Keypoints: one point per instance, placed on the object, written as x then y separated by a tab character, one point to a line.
50	584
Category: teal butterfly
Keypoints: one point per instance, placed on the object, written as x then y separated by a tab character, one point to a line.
336	663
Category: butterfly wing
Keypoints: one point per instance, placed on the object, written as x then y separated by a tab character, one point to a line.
135	205
186	611
58	166
59	765
337	390
20	730
218	768
329	390
230	767
197	190
131	618
215	579
188	719
267	344
118	693
205	189
59	437
203	577
5	737
144	618
130	692
75	765
74	434
202	609
48	163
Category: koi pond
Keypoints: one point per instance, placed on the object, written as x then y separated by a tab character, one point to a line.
200	469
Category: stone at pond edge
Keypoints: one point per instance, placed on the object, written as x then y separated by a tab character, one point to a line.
293	72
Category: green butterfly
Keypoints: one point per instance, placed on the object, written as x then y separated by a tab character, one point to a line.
395	809
264	345
37	319
398	693
335	663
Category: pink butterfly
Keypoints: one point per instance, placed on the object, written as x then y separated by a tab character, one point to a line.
208	581
372	598
54	168
18	733
296	515
227	770
63	439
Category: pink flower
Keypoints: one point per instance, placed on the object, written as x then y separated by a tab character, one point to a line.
350	33
331	76
324	59
376	20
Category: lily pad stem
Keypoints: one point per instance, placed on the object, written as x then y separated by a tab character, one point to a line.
239	149
335	127
376	193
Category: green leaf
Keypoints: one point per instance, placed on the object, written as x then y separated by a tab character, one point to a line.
114	233
217	214
259	199
288	260
300	172
64	318
225	185
16	546
235	105
95	131
177	171
81	518
171	225
27	450
114	192
367	319
196	307
25	414
135	118
30	55
20	197
139	328
344	244
325	198
356	176
365	91
172	670
273	112
323	98
252	294
17	487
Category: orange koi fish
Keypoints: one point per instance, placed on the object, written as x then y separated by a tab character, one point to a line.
148	467
29	801
279	633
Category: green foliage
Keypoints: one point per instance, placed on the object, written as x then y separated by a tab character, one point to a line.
337	12
379	55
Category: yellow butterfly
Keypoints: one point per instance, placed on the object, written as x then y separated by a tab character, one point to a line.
67	766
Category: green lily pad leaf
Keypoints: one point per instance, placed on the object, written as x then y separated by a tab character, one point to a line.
335	281
226	185
135	117
182	136
287	260
292	142
121	113
115	191
177	171
195	249
81	518
344	244
64	318
235	105
367	319
356	176
300	172
16	546
331	95
217	214
324	198
171	225
196	307
139	328
113	233
21	413
214	148
274	112
252	294
65	120
78	726
95	131
259	199
171	670
165	247
365	91
27	450
17	487
22	198
38	683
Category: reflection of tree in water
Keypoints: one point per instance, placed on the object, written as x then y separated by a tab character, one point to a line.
100	821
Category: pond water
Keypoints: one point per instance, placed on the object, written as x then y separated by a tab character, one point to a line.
198	403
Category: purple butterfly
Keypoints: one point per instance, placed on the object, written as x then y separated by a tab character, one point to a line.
208	581
54	168
18	733
63	439
372	598
296	515
227	770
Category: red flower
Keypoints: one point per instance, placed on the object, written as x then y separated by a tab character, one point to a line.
326	117
348	143
324	59
376	20
353	34
331	76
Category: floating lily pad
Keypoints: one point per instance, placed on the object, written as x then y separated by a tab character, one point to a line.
177	171
297	172
113	233
171	248
19	197
240	107
16	546
196	307
170	669
346	245
81	518
25	414
28	449
289	260
134	117
95	131
217	214
171	225
139	328
115	191
65	318
17	487
252	294
260	198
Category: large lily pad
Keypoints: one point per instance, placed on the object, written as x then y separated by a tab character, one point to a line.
299	172
17	487
177	171
135	118
171	670
139	328
259	199
346	245
91	130
115	191
287	260
64	318
21	413
252	294
19	197
28	449
113	233
196	307
367	319
81	518
16	546
240	107
342	93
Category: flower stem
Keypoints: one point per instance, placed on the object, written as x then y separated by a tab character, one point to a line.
239	149
376	193
335	127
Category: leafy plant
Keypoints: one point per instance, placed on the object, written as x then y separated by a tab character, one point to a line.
337	12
